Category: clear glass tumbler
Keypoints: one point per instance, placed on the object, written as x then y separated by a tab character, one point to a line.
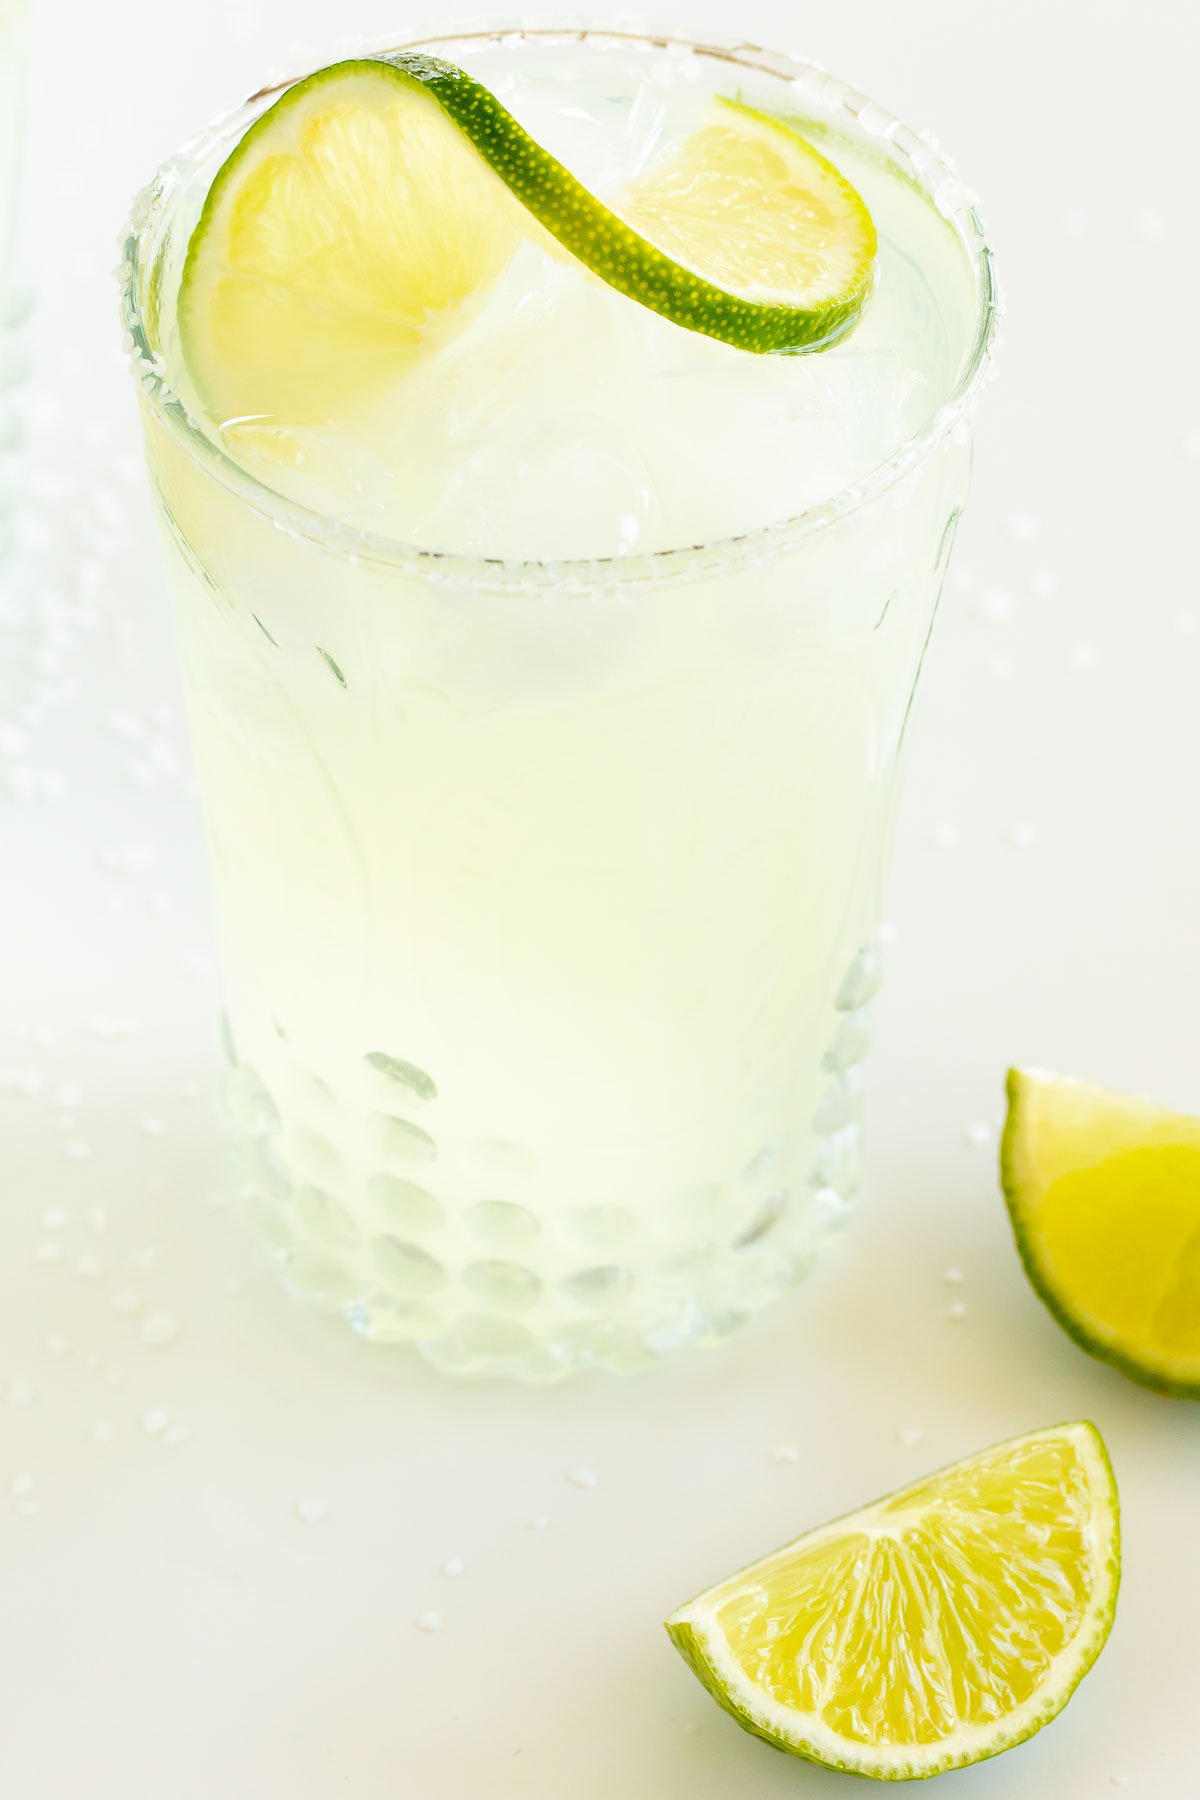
546	891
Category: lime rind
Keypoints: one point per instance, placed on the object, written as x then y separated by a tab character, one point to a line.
1022	1187
602	241
515	187
694	1632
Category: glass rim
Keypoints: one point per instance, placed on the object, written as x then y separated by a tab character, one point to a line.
915	153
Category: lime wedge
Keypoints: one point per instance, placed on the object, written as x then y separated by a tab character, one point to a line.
362	213
933	1629
1104	1196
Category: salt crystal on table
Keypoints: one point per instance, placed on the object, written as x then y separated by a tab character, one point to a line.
957	1309
978	1134
453	1566
584	1478
996	604
429	1621
311	1512
155	1421
785	1453
159	1330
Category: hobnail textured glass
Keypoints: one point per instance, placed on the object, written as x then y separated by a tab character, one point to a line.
388	1186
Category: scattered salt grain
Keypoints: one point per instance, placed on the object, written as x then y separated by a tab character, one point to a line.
47	1254
995	604
1083	657
19	1392
908	1435
785	1453
311	1512
159	1330
428	1621
1021	836
584	1478
155	1422
979	1135
453	1567
957	1309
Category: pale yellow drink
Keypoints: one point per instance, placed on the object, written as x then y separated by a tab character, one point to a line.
549	770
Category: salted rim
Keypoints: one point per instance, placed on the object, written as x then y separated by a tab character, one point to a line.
912	153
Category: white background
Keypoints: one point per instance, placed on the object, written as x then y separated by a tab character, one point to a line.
216	1548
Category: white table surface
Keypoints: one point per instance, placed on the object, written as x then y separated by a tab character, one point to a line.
213	1550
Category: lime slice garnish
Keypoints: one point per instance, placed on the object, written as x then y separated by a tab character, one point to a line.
1104	1196
933	1629
360	214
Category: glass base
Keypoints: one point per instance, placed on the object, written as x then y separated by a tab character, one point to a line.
479	1285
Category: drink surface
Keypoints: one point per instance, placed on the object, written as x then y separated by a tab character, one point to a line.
546	903
555	418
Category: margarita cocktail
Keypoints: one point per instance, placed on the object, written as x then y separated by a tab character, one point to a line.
550	650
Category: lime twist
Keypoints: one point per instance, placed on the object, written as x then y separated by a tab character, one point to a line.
360	214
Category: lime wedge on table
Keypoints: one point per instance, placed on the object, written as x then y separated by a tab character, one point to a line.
930	1630
372	201
1104	1196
